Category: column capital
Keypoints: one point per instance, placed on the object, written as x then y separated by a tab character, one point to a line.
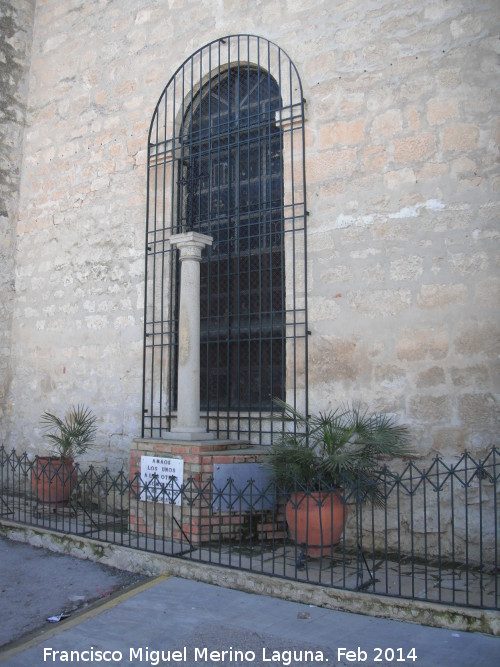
190	244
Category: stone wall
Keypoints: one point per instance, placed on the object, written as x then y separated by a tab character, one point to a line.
403	192
16	26
402	129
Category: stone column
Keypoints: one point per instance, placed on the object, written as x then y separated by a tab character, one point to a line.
188	427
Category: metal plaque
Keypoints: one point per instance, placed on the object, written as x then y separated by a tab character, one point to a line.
241	487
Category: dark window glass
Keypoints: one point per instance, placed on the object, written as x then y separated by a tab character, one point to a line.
231	187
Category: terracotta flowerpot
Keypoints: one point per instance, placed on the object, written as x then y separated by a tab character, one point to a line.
316	520
53	479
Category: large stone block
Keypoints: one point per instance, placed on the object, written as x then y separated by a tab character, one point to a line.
379	303
430	409
387	124
480	412
431	377
478	338
344	133
460	137
476	375
337	360
440	296
440	110
408	268
418	344
414	149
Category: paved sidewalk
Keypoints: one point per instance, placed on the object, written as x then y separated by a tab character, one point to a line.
36	583
193	623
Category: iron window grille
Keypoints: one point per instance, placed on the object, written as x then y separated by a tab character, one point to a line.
226	158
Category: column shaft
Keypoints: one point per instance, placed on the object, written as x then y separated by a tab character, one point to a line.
188	424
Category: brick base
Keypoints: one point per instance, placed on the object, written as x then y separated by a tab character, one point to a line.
203	516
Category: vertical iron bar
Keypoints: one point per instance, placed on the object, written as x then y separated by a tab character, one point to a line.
412	535
481	562
175	170
495	529
398	504
426	560
438	491
452	509
466	514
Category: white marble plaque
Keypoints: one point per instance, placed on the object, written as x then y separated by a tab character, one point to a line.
162	479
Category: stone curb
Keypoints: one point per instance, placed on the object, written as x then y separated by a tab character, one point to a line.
125	558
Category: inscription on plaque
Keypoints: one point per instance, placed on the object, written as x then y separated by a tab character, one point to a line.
162	479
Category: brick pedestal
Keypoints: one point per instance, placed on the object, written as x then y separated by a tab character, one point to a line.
207	513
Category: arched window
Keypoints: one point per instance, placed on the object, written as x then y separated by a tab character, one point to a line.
226	159
232	190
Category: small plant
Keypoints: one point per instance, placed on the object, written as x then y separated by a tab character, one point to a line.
72	436
336	449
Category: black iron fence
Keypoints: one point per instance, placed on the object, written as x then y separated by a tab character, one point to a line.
434	536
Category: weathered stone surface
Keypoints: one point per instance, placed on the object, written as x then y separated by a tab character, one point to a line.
408	268
433	409
414	149
448	440
440	110
432	377
377	303
480	412
337	360
439	296
478	338
471	376
460	137
423	343
16	27
344	133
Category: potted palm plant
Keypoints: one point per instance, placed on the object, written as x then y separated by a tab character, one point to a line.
54	476
323	462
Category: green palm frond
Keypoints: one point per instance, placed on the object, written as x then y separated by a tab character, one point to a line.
339	448
72	435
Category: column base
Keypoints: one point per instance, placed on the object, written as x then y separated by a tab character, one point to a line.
215	505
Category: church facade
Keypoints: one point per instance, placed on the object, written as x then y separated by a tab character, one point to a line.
342	157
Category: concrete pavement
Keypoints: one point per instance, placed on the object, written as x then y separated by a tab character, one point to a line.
174	621
36	583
